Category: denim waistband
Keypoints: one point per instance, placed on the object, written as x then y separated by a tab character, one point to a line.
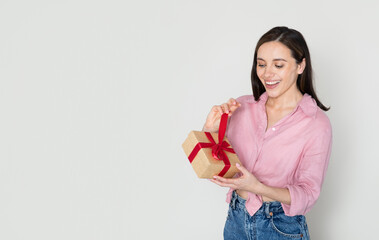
267	208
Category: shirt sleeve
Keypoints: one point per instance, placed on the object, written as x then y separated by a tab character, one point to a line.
309	176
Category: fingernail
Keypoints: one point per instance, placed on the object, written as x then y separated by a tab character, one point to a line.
215	177
237	164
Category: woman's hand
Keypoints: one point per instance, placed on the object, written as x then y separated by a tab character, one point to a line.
246	182
213	119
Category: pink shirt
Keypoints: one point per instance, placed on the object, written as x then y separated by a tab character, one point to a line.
293	154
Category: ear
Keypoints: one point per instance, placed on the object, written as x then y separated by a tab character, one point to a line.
301	67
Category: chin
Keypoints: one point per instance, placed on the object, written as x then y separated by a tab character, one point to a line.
272	94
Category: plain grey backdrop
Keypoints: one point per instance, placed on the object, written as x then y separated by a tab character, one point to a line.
96	98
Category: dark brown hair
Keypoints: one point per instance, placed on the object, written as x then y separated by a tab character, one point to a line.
295	41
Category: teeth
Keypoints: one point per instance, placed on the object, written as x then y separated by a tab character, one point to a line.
272	83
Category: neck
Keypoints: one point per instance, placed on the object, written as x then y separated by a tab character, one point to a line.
284	101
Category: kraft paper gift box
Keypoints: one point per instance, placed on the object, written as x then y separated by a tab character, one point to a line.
211	154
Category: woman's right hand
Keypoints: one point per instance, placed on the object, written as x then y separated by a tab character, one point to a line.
214	117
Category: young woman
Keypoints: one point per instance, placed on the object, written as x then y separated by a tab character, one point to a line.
282	138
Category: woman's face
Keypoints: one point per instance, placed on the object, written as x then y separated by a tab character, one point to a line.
278	70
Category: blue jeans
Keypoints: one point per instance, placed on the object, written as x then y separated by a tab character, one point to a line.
268	223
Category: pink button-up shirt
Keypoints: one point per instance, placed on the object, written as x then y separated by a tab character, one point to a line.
293	154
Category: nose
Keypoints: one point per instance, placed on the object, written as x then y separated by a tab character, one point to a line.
268	73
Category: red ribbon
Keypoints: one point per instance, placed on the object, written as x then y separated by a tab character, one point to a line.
218	149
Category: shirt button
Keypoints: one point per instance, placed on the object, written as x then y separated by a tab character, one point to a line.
273	129
271	214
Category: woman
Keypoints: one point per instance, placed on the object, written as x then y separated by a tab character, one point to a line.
282	138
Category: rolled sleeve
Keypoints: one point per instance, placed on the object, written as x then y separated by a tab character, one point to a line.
310	173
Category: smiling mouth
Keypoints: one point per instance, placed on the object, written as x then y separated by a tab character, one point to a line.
271	84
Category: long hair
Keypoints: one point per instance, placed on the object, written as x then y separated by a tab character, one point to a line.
295	41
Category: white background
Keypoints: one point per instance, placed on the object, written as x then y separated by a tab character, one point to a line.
96	98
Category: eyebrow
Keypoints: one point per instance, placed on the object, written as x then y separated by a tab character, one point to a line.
276	59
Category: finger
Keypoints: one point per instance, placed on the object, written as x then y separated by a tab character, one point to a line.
234	108
232	101
233	105
225	107
242	169
217	109
223	184
225	180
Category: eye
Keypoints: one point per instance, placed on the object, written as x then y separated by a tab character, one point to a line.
278	66
261	65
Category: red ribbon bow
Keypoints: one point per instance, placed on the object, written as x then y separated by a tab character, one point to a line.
218	149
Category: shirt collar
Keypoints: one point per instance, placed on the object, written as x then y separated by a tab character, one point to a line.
307	104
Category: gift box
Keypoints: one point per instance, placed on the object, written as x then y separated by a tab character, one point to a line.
211	154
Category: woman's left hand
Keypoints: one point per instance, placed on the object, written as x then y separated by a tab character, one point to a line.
246	182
